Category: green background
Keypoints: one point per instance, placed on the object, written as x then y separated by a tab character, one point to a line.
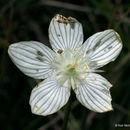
24	20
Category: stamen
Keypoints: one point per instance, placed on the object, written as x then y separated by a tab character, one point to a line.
75	50
75	81
61	81
81	55
84	71
51	63
85	65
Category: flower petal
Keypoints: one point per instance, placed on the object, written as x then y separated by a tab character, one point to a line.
49	96
102	48
32	58
93	93
65	33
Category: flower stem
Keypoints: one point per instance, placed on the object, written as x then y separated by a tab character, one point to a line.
67	112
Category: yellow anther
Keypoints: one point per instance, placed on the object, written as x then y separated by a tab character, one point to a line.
68	49
75	82
81	55
85	60
83	79
51	63
84	71
54	56
61	81
85	65
75	50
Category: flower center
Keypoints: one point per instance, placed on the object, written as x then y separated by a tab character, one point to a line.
70	70
70	64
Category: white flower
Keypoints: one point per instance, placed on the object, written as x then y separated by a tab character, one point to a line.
71	65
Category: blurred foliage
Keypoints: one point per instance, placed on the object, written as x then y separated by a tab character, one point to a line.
22	20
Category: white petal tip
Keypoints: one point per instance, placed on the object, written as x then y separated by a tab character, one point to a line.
118	37
35	110
108	110
110	85
61	19
11	48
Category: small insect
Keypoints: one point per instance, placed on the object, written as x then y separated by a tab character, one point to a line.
59	51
